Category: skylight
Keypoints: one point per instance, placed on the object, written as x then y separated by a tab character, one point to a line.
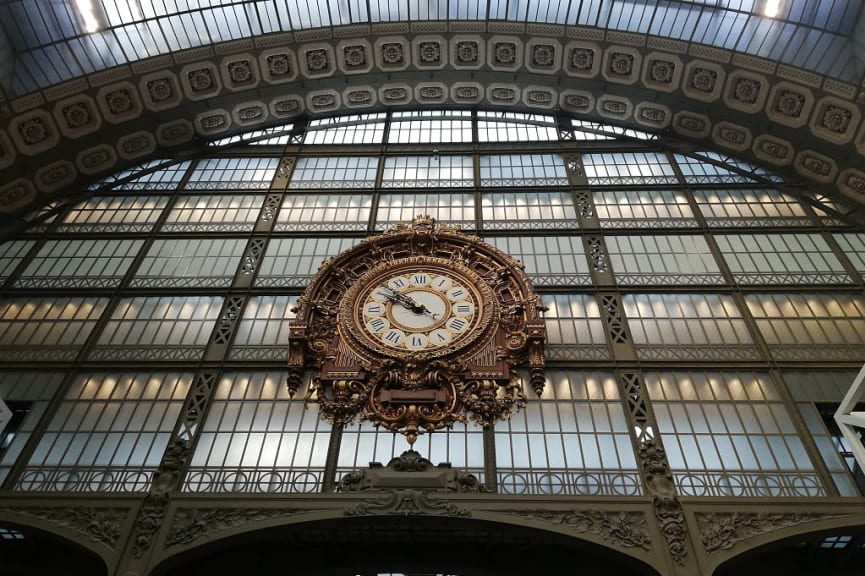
56	41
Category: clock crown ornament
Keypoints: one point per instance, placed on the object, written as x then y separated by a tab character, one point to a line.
416	329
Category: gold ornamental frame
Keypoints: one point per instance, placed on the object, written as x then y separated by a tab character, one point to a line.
475	379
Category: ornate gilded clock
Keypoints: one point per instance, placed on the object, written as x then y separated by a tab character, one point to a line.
416	329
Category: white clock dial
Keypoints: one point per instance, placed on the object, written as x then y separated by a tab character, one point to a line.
420	279
416	341
441	283
419	310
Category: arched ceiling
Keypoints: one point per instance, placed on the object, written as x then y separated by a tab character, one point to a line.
805	122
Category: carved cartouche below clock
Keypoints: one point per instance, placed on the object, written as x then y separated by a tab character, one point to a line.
416	329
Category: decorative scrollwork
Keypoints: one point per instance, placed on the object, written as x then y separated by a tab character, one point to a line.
347	398
626	529
191	524
403	469
150	519
725	531
102	525
487	400
668	509
407	502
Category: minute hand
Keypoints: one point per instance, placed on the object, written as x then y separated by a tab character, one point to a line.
408	302
400	298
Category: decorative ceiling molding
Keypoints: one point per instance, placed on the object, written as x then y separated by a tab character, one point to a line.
793	121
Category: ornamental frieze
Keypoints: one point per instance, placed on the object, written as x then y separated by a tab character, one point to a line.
725	531
101	525
407	502
625	529
191	524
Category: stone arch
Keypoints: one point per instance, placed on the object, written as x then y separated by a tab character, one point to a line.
742	544
54	541
795	122
490	544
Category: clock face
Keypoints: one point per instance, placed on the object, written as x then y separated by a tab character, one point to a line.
419	310
419	307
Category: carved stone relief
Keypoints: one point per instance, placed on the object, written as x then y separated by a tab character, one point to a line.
577	101
625	529
543	56
150	519
613	107
502	94
691	124
159	90
654	115
662	71
505	53
835	120
394	94
392	53
100	525
119	102
622	65
582	59
52	177
16	194
239	72
429	53
668	510
536	96
703	81
34	132
359	97
410	469
354	56
852	182
213	121
407	502
746	91
135	145
815	166
466	92
174	133
77	116
732	136
431	93
278	65
789	104
191	524
773	150
286	107
467	53
96	159
200	80
324	100
249	113
318	61
725	531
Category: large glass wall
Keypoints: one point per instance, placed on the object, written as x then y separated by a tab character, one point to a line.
702	305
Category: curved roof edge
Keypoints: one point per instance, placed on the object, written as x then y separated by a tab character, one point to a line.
796	123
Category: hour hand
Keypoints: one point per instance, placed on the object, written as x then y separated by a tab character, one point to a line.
422	309
398	298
